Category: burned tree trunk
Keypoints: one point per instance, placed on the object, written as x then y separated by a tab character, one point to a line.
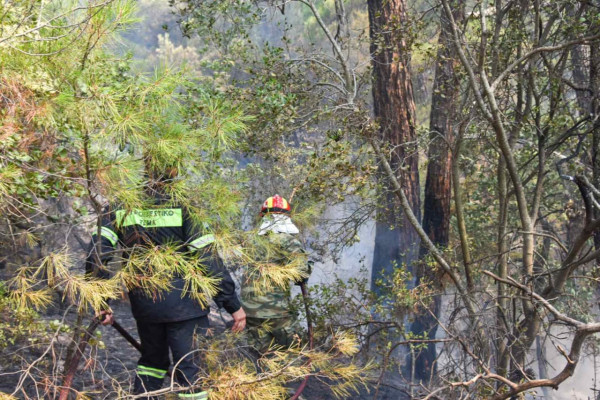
396	242
586	77
595	113
436	211
581	79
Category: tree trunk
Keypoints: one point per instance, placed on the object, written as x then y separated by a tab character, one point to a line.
595	111
586	77
581	79
436	211
396	242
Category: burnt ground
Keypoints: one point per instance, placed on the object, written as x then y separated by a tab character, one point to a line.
118	360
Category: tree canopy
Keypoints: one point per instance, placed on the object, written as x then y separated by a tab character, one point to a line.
460	137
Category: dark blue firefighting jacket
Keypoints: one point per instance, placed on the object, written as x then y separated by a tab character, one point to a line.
159	225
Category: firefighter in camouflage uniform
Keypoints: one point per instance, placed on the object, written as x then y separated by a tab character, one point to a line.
268	317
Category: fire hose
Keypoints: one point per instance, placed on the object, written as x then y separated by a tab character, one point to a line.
127	336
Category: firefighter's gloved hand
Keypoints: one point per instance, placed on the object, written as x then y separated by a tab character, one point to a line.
309	265
301	281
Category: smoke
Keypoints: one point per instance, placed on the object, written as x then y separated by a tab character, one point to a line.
354	261
582	385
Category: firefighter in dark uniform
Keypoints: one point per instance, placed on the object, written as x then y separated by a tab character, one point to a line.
167	321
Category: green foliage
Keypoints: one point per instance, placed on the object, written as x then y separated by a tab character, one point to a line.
17	324
86	123
152	269
249	104
229	374
82	122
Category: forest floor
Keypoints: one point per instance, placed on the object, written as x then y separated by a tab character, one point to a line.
115	365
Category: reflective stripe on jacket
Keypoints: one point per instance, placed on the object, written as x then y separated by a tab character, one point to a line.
155	226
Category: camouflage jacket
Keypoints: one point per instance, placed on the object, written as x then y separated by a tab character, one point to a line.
277	250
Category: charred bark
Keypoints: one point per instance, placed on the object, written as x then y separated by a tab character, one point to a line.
436	211
581	79
396	242
595	111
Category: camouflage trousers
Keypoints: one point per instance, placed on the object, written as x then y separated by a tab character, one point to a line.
263	333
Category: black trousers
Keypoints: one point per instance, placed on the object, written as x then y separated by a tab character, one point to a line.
157	339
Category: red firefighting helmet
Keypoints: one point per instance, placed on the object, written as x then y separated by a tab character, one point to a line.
275	205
